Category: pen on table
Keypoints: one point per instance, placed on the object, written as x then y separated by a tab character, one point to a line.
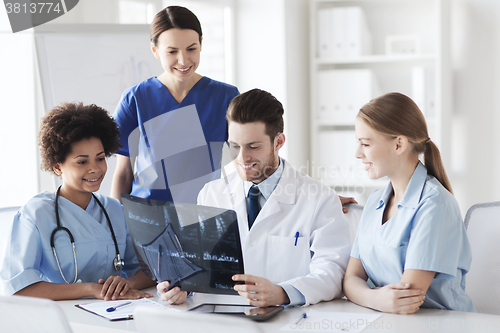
113	308
302	316
296	237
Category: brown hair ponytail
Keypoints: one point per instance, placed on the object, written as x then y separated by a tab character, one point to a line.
396	114
434	165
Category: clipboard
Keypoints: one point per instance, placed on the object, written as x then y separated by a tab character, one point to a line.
123	313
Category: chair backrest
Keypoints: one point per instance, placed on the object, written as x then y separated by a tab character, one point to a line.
482	222
6	216
352	217
149	320
23	314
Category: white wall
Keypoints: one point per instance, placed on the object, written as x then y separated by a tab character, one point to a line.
272	39
297	83
272	54
272	49
260	49
260	46
476	112
18	147
496	175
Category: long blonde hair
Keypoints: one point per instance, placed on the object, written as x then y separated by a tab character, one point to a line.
395	114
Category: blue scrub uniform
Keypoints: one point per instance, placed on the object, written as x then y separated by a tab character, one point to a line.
28	257
427	233
175	148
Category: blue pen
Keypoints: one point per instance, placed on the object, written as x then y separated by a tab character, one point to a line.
296	237
302	316
113	308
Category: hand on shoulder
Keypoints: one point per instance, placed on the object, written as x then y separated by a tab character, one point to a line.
346	200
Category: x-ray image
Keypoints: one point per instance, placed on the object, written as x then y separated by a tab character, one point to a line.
195	247
167	259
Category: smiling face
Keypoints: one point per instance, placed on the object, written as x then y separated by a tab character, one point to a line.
376	151
179	53
254	154
83	170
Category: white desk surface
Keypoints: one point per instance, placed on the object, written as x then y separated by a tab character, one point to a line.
425	320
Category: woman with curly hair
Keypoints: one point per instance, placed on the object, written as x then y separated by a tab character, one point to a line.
73	243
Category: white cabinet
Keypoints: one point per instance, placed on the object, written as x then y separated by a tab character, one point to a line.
361	49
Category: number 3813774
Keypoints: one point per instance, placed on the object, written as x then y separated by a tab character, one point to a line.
32	8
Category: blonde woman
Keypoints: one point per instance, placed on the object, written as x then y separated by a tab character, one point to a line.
411	241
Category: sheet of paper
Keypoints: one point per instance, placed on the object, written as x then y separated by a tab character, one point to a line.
125	312
78	327
318	321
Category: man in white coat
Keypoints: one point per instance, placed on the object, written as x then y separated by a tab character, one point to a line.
295	241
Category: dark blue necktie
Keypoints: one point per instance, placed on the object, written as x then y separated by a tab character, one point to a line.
254	207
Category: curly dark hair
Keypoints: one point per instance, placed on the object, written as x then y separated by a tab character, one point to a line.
72	122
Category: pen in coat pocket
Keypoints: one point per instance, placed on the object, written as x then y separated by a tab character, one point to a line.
296	238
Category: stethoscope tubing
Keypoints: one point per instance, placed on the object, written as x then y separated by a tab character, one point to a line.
118	262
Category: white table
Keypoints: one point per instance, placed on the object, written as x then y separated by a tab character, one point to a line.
425	320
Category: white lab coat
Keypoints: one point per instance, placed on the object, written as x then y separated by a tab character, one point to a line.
316	264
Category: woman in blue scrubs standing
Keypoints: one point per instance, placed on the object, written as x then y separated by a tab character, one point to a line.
411	240
73	243
172	127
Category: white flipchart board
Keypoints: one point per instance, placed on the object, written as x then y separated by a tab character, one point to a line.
93	64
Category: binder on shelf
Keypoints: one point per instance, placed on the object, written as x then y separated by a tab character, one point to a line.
358	40
418	87
331	97
423	92
338	32
343	33
333	162
362	86
402	44
430	92
326	105
341	93
324	30
337	163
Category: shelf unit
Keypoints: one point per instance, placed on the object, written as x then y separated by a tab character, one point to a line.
425	71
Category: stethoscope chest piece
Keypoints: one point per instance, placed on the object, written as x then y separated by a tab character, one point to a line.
118	262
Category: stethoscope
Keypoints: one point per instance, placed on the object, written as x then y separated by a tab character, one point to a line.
118	262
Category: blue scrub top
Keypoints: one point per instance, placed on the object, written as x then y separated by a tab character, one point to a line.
28	256
175	148
427	233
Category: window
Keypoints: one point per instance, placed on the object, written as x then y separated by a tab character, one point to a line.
18	126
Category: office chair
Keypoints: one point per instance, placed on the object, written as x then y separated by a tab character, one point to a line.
149	320
6	216
352	217
23	314
482	222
